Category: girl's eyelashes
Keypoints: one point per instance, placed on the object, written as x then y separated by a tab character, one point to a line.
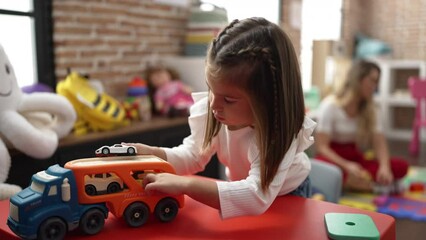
230	100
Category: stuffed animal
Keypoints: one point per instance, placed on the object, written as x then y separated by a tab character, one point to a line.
96	110
171	96
30	123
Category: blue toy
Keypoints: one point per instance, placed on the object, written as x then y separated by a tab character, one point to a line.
52	202
403	208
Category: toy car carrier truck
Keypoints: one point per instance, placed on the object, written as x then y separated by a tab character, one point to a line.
79	195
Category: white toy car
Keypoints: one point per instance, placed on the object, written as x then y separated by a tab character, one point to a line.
102	183
116	149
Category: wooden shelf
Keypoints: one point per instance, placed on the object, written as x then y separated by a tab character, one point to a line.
393	95
155	123
401	102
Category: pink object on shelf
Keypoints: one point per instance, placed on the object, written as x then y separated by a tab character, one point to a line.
417	88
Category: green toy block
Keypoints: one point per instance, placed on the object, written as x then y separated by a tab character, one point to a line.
350	226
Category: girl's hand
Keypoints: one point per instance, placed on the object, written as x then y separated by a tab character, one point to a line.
165	183
143	149
384	175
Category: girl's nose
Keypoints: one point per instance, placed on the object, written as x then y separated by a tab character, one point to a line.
214	104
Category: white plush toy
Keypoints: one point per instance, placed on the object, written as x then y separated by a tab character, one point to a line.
30	123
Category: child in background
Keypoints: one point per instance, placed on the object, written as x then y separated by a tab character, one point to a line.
171	96
348	123
252	117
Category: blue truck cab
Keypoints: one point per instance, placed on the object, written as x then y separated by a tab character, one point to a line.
49	207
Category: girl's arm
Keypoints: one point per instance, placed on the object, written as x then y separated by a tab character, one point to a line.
384	174
199	189
186	158
322	145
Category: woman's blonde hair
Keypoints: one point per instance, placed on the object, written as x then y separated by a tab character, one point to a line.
258	57
350	89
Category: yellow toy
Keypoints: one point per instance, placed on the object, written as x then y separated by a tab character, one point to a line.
96	111
369	155
318	196
359	200
131	108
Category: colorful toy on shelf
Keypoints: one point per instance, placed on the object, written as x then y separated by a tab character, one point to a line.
61	199
132	109
116	149
138	103
96	111
171	96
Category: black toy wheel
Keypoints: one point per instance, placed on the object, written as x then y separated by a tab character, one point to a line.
167	209
92	221
113	187
136	214
52	229
105	151
90	190
131	151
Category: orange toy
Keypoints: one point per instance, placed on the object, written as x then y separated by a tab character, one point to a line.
81	194
131	202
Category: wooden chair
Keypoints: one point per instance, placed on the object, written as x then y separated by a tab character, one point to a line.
417	87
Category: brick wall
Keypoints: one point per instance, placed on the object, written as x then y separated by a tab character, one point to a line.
400	23
114	40
293	33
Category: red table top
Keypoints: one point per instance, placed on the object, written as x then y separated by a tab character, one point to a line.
289	217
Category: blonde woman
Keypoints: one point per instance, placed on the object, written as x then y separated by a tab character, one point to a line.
348	124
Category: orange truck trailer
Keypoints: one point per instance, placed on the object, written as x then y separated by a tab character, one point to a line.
81	193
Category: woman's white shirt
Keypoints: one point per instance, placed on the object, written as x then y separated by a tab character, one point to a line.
333	120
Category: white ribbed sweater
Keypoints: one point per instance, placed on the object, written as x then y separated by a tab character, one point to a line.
238	152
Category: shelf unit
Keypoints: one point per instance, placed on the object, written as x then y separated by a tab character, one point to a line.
394	97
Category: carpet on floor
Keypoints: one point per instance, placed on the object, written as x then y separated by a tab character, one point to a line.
410	203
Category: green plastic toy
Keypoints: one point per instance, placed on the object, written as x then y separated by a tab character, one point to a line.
350	226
